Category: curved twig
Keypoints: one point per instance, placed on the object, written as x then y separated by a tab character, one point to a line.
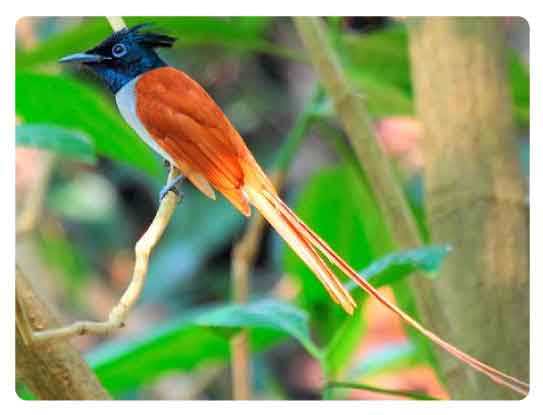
143	250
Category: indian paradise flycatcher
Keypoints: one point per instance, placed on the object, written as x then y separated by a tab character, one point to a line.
178	119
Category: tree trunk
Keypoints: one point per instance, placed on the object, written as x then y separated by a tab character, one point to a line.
475	198
53	370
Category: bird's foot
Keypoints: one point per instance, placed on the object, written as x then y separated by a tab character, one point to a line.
173	186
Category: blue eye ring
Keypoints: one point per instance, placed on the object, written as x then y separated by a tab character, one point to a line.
118	50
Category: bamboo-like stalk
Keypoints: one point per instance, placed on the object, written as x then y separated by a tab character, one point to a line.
116	22
354	116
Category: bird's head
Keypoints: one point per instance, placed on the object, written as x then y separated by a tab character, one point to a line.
124	55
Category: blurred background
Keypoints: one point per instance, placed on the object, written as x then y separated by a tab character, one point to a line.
87	188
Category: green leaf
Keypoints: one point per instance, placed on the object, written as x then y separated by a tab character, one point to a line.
65	142
399	265
24	393
67	103
266	314
520	87
241	33
198	339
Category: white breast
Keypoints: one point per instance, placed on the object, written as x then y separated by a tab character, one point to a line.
126	102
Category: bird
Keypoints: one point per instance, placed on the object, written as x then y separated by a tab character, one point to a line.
179	120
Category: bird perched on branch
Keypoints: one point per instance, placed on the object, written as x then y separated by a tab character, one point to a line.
176	117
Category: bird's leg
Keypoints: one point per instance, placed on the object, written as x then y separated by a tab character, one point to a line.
119	313
173	185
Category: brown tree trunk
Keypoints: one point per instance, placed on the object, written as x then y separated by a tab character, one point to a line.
53	370
475	198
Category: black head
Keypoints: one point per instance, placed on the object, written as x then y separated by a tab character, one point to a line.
124	55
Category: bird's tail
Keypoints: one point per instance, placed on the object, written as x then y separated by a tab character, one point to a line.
307	245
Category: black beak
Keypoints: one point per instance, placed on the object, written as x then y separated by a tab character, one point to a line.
83	58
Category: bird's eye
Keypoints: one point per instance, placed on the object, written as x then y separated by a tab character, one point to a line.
119	50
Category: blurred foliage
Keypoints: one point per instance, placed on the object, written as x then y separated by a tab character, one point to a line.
65	102
239	33
379	65
200	337
104	193
67	143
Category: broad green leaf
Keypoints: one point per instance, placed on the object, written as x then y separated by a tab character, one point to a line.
65	102
399	265
267	314
65	142
241	33
199	338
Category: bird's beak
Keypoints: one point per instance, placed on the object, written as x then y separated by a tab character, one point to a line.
83	58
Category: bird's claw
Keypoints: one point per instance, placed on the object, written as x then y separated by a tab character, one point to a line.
173	186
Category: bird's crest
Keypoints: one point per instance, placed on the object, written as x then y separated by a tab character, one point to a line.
137	35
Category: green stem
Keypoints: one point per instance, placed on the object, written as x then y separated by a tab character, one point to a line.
352	112
394	392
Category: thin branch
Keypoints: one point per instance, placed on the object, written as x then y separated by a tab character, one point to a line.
143	250
243	256
55	370
51	371
356	120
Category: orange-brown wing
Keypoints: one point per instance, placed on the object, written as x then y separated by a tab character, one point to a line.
186	122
